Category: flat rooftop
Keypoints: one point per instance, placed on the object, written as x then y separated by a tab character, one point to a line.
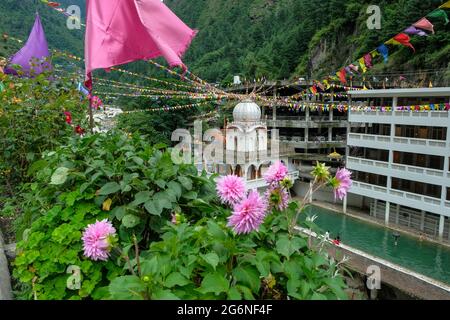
409	92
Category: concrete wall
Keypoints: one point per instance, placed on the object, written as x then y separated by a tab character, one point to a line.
5	279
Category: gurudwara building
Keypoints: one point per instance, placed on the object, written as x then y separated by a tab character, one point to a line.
250	148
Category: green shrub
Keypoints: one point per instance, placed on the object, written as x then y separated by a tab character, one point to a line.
139	188
32	121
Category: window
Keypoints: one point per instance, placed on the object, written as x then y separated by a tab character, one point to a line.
421	132
419	160
370	178
421	188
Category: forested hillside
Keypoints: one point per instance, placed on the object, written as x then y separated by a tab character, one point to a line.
272	38
284	38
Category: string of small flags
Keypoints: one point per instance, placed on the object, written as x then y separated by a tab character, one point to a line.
168	108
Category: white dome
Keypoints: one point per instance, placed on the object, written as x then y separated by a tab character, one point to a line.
247	111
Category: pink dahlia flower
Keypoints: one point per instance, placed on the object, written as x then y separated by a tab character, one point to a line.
248	214
276	172
230	189
97	239
277	198
341	183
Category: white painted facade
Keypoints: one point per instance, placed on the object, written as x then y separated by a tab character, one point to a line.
392	143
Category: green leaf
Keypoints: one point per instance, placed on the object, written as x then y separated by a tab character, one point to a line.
127	288
248	295
160	183
37	166
287	247
161	294
318	296
153	207
175	188
59	176
292	286
185	182
215	283
175	279
149	266
248	276
141	197
163	200
110	187
191	195
211	258
130	221
234	294
118	212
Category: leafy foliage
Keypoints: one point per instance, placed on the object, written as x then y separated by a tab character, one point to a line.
115	176
138	187
285	38
32	120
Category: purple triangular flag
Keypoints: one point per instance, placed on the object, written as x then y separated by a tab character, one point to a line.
34	57
414	31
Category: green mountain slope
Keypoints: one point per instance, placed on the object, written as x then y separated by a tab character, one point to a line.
285	38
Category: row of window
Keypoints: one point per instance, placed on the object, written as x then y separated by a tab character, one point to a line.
421	188
418	132
405	158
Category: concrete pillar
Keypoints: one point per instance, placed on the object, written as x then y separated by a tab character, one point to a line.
330	134
344	206
307	114
394	103
397	213
306	134
422	220
274	113
386	214
310	195
331	114
375	207
441	227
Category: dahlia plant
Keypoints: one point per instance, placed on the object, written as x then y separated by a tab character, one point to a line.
139	226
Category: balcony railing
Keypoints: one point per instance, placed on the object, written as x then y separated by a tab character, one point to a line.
400	117
408	196
399	140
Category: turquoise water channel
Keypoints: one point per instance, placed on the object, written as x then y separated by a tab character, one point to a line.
426	258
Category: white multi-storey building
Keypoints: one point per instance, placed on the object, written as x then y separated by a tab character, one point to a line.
400	157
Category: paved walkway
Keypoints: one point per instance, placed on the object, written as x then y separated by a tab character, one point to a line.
5	279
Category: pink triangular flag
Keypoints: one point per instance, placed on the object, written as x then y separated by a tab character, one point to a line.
424	24
119	32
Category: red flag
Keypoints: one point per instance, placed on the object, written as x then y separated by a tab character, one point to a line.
403	39
342	74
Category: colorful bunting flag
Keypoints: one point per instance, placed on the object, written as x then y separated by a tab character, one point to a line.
414	31
424	24
384	51
368	60
362	64
34	56
439	13
342	74
401	39
119	32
